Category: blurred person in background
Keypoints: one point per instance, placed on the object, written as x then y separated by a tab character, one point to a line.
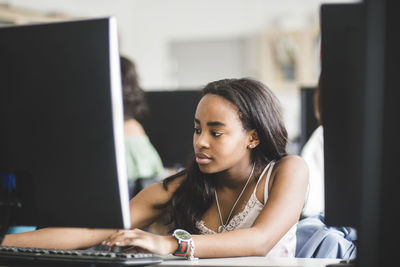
313	154
144	165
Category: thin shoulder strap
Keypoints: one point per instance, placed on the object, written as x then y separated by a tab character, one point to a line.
262	174
267	181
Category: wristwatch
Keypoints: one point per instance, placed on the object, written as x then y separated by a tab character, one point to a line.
184	241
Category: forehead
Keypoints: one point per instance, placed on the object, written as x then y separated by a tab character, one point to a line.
216	108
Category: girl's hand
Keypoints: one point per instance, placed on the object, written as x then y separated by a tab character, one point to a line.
142	241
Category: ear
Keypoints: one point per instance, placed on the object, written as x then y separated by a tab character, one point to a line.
253	139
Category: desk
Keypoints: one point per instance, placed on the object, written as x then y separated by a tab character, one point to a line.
238	261
251	261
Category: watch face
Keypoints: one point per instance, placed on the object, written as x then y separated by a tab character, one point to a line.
182	234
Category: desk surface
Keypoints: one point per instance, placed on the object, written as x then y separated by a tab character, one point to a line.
251	261
239	261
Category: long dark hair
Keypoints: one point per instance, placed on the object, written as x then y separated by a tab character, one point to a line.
258	109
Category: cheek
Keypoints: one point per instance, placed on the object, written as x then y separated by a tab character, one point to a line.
232	147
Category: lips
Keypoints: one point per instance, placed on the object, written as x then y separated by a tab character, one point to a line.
202	158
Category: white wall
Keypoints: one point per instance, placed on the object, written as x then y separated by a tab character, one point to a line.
147	29
147	26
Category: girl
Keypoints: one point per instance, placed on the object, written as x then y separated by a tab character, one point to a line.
242	195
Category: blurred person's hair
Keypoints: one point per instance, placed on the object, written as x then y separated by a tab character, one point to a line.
135	105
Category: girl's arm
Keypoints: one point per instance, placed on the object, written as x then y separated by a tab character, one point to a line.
281	212
60	238
142	214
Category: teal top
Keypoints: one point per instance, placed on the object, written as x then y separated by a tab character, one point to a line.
142	159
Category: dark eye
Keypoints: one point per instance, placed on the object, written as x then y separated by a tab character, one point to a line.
216	134
197	130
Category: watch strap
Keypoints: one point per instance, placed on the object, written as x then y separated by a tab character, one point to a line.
183	247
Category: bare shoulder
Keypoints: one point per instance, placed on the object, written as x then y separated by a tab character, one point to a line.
292	161
133	128
292	166
175	183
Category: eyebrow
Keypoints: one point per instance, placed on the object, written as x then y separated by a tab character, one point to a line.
211	123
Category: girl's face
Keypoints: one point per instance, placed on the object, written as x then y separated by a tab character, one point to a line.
220	142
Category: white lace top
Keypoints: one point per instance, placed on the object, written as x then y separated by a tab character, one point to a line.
286	247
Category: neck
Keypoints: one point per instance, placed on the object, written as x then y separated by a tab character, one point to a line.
235	177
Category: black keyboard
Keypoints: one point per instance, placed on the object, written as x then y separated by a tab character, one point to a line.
21	255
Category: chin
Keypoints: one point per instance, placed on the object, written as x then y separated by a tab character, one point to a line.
209	169
206	168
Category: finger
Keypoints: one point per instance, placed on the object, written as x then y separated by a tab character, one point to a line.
108	240
122	238
114	236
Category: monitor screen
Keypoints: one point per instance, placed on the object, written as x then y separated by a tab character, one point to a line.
62	158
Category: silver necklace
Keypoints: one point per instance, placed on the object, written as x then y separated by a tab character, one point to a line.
223	225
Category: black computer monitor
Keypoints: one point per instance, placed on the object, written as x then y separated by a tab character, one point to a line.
169	124
342	92
62	158
361	115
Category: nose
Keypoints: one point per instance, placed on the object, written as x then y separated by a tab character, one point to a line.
200	141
